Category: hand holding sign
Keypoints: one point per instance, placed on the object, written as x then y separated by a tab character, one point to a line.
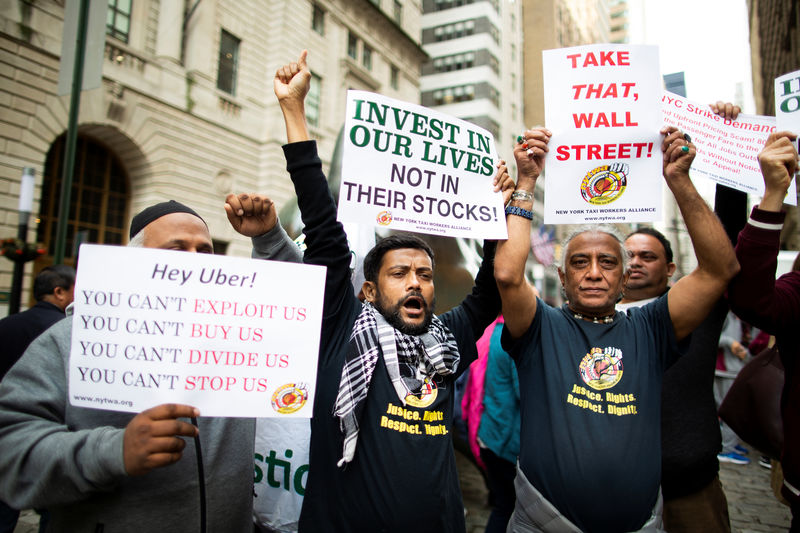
530	155
726	110
778	161
250	214
152	438
678	152
503	181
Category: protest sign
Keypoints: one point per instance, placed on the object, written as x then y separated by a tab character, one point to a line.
727	150
604	162
406	167
787	113
787	102
231	336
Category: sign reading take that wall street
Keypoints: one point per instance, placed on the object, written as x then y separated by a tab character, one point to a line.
727	150
604	162
406	167
231	336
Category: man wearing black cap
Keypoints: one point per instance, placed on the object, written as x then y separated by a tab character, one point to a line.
98	470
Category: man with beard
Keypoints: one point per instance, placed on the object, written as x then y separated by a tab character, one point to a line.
588	438
690	432
381	453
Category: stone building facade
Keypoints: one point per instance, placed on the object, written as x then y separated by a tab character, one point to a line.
186	108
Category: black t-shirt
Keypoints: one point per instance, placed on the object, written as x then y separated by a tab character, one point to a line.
590	408
402	477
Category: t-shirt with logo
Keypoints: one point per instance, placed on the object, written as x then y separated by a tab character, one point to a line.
590	406
403	476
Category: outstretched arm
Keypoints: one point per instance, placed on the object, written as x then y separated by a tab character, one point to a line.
518	296
692	298
325	237
291	84
482	305
755	295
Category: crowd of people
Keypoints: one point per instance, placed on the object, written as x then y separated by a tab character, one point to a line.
617	423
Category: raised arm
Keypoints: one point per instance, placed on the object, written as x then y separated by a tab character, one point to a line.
755	295
482	305
254	215
692	298
518	296
325	237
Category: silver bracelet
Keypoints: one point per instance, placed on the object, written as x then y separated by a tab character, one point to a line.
522	195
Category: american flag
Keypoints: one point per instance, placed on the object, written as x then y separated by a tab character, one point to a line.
543	245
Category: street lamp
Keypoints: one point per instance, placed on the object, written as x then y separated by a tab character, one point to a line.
25	209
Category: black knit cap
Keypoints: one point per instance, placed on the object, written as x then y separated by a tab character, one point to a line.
153	212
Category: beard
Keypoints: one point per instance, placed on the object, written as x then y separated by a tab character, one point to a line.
391	312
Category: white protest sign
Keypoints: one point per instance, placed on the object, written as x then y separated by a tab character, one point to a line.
410	168
604	162
787	102
727	150
231	336
787	113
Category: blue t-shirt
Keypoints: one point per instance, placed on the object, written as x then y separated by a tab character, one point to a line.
590	408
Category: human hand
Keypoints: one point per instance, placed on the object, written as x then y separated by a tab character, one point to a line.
726	110
678	153
250	214
530	152
152	438
738	349
292	81
503	182
778	161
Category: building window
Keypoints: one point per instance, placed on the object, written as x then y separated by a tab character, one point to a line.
118	19
398	12
366	57
352	45
454	30
318	20
451	95
494	64
312	100
98	210
228	61
455	62
394	78
494	96
513	52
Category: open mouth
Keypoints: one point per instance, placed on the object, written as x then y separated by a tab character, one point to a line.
414	305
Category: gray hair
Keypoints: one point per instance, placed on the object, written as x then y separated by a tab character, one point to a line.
138	240
599	228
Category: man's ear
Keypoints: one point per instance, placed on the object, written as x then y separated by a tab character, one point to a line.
561	276
671	269
369	289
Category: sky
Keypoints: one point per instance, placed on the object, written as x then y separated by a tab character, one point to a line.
707	39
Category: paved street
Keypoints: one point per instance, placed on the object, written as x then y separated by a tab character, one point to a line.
751	504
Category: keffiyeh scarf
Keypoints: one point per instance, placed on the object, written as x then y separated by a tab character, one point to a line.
409	359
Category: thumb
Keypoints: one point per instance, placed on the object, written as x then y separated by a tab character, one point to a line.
301	61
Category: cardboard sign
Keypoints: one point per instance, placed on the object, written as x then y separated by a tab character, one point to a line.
787	114
604	163
406	167
727	150
231	336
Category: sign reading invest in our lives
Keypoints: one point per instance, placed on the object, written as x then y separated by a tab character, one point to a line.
231	336
407	167
602	106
